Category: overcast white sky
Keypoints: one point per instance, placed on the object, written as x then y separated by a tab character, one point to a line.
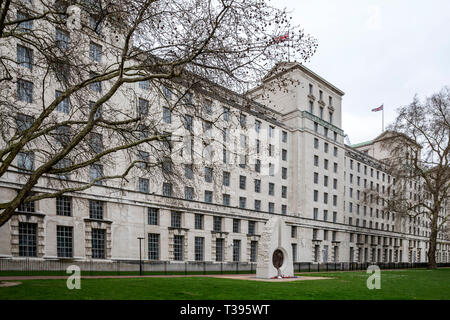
377	52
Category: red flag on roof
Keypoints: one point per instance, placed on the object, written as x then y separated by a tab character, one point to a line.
378	109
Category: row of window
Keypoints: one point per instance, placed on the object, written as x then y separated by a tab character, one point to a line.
199	248
28	244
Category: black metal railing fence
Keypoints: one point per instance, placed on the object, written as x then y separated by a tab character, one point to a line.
29	267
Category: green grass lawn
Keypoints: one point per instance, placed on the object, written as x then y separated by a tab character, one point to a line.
399	284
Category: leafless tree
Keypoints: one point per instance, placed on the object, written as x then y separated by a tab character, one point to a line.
70	73
417	145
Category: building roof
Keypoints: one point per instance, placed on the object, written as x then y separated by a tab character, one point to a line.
284	67
362	144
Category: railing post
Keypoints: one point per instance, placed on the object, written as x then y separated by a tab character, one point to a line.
221	267
309	266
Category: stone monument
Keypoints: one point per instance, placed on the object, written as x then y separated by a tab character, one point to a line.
274	251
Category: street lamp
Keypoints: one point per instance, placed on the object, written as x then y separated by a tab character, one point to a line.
140	256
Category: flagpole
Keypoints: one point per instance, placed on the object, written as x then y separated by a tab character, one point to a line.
382	121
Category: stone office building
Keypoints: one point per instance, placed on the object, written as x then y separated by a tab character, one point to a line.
295	164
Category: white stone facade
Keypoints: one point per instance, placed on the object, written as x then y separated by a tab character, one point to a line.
310	182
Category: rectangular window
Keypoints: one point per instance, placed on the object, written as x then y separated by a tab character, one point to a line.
199	221
167	92
271	189
243	120
316	214
178	248
251	227
153	216
25	161
153	246
258	205
236	225
293	232
23	122
95	52
226	114
271	207
242	202
188	171
167	115
283	209
208	106
226	199
24	26
271	131
98	243
64	241
64	206
144	185
208	196
284	136
175	219
145	85
219	249
242	182
258	165
27	239
257	185
24	90
167	189
284	173
217	224
188	122
95	86
96	209
294	252
188	193
284	154
63	106
98	111
236	250
208	174
25	57
257	126
96	172
199	248
253	250
143	106
284	192
62	39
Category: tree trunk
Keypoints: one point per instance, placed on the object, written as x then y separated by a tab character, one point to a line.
433	242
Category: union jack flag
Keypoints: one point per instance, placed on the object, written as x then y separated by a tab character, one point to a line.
378	109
